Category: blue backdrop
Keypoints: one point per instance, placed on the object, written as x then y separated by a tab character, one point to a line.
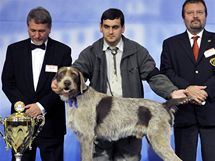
76	23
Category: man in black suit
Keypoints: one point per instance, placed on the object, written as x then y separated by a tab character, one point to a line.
197	76
29	68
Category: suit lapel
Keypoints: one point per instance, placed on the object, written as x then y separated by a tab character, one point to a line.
185	43
205	42
47	61
28	66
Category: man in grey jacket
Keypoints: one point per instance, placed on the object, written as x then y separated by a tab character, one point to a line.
117	66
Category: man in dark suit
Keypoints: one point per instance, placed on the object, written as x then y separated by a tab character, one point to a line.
196	74
29	68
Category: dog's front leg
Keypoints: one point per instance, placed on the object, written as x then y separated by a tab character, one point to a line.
86	143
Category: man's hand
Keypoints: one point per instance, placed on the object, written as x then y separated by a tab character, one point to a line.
178	94
57	90
54	86
33	110
197	93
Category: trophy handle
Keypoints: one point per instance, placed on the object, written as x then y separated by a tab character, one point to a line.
1	122
2	135
39	119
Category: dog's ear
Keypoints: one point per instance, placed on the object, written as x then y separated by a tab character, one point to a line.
57	73
55	76
83	86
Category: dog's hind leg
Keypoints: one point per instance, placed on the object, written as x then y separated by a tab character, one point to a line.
159	138
86	144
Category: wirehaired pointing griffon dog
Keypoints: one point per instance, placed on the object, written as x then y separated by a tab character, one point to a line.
96	115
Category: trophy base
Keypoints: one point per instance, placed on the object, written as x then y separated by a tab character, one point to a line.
18	156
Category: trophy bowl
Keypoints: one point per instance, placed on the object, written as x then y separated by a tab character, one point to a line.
20	130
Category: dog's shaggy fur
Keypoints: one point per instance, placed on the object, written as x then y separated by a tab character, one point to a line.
97	115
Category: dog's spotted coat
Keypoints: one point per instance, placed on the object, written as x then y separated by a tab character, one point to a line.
98	115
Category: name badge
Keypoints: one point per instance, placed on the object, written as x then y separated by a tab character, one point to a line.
51	68
209	52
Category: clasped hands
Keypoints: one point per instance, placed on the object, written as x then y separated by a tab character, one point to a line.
197	94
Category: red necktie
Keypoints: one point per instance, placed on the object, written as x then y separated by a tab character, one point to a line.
195	47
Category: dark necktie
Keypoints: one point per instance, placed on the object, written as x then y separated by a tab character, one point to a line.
114	52
42	46
195	47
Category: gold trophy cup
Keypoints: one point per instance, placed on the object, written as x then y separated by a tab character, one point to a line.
20	130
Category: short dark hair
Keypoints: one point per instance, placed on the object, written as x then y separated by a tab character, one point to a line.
194	1
40	16
113	13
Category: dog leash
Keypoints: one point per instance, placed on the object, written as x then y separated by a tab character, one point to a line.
109	87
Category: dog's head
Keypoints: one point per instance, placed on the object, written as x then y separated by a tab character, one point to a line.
70	82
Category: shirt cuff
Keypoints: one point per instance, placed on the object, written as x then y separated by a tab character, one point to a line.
41	108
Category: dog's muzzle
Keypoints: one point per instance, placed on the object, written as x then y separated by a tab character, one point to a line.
67	84
72	92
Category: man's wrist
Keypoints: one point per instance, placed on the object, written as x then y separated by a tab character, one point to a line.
43	111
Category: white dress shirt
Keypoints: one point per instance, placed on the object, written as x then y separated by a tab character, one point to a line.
37	62
191	38
114	83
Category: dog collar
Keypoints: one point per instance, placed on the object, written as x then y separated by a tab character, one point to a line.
73	100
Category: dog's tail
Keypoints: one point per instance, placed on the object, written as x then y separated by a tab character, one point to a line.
171	105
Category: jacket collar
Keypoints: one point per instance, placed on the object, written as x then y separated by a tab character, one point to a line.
205	42
128	47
